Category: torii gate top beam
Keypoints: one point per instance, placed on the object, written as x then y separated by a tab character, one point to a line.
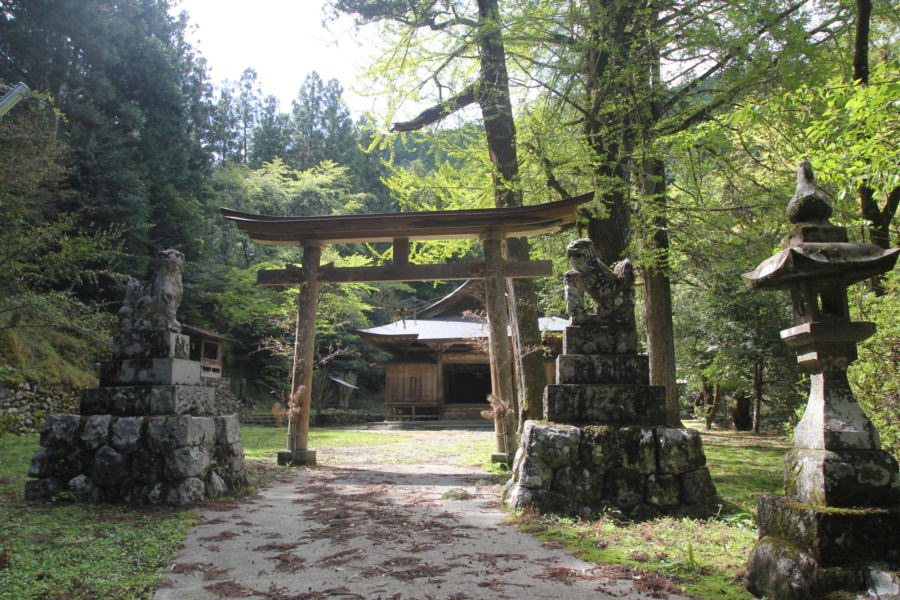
384	227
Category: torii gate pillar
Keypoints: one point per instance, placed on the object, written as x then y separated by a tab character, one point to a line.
505	410
300	403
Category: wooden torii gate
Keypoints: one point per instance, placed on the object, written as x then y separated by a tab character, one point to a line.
491	226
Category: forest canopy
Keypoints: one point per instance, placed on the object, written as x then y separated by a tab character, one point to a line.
686	118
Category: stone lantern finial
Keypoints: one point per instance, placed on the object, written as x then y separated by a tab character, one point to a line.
809	203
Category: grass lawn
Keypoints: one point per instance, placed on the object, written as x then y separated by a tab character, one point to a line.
62	550
703	556
263	443
65	551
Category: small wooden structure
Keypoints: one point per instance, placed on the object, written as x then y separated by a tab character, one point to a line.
439	366
491	226
208	347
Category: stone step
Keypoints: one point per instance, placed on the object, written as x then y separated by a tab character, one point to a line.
150	371
586	404
603	368
600	339
195	400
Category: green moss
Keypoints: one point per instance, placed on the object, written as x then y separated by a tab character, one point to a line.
597	430
47	357
838	510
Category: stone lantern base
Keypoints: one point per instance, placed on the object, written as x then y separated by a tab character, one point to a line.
808	552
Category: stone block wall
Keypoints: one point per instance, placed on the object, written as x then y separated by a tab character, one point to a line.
138	459
24	407
224	400
642	472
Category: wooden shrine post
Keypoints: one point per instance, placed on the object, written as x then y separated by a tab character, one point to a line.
498	337
298	452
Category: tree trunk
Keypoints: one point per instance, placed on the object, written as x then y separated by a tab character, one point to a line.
714	407
494	291
609	35
879	217
658	292
527	339
705	392
500	131
757	394
491	92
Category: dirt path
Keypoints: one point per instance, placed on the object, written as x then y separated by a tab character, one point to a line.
382	532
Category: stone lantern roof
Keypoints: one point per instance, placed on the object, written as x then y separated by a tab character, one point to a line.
817	250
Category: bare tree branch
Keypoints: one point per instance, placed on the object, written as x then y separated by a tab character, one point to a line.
435	113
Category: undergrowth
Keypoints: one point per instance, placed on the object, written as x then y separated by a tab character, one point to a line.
47	356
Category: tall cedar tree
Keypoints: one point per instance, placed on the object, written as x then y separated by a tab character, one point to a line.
491	93
131	93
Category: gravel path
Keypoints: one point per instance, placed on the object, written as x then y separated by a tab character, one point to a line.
383	532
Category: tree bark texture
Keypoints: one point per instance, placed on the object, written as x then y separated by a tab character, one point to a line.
606	50
658	292
741	414
714	407
757	394
500	131
879	217
705	391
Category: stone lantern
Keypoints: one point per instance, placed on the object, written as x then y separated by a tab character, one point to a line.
837	528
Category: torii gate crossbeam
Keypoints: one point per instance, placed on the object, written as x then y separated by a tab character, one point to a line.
491	226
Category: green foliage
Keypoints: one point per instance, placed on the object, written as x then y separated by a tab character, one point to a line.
126	83
874	377
48	334
847	131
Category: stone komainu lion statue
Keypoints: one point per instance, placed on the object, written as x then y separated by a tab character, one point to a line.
612	291
153	306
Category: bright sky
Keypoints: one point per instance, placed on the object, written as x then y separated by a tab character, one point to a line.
283	40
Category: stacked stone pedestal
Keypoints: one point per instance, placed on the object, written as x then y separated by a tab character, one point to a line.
608	446
148	435
836	531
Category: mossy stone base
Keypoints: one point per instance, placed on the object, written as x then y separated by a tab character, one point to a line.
832	536
810	552
778	570
641	471
587	404
842	477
